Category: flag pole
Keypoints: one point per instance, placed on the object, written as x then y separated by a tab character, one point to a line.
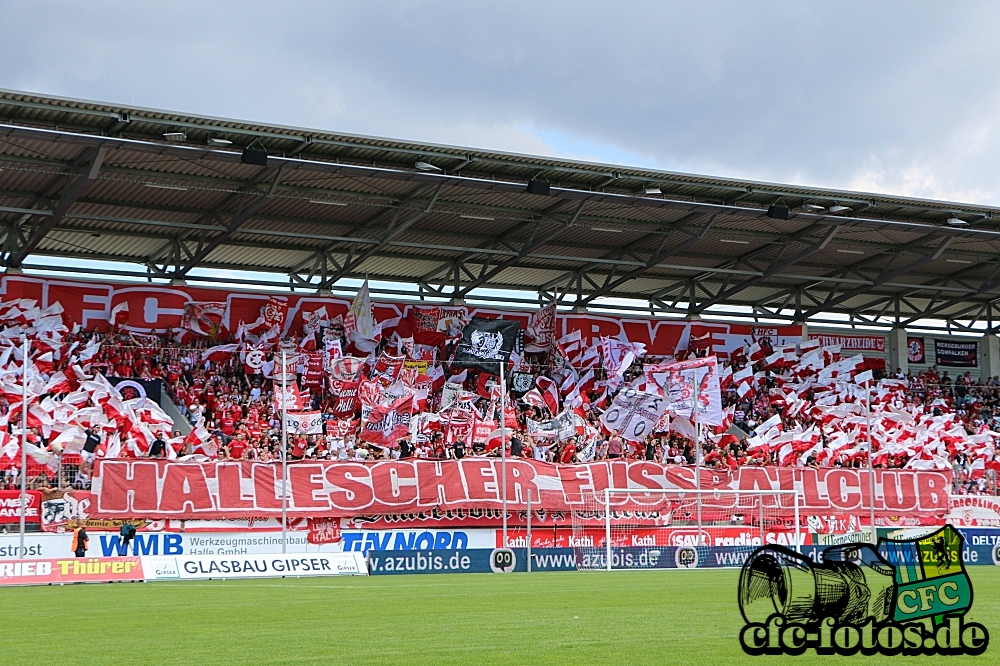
503	447
871	466
697	444
24	438
284	453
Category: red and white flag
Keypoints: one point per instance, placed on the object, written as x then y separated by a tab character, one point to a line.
119	314
386	424
550	393
219	353
201	441
541	329
289	397
305	423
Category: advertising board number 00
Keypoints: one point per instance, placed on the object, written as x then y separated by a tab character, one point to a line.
502	560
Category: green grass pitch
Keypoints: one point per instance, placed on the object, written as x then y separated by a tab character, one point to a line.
655	617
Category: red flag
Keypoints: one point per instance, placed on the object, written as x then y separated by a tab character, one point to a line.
388	423
424	323
345	394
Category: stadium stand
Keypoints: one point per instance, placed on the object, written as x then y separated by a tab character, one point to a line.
799	405
762	277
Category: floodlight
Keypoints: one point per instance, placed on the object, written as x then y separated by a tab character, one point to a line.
777	212
175	136
957	221
420	165
652	189
840	209
254	155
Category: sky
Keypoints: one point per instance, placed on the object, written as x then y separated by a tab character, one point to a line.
888	97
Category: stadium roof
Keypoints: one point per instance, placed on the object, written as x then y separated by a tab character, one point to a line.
169	192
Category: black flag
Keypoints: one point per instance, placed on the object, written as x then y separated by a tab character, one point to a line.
486	343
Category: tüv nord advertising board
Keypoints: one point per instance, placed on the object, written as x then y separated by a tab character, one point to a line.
108	544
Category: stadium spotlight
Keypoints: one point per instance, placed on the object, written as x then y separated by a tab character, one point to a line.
957	221
175	136
813	208
777	212
161	186
470	216
840	209
538	186
256	156
326	202
652	189
219	141
420	165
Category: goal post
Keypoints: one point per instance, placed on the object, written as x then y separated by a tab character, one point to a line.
634	528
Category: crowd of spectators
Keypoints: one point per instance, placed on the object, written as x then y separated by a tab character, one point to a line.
237	410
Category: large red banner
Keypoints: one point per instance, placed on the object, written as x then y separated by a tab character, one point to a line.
188	491
158	307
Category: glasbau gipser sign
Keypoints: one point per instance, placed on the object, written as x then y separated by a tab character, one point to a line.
907	597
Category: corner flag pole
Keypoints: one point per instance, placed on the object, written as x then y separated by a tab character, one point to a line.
503	447
284	453
24	437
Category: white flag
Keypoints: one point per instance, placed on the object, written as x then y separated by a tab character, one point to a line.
305	423
633	414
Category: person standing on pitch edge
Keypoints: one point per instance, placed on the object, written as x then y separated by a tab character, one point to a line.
80	542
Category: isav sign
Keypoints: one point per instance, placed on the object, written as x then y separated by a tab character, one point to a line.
907	597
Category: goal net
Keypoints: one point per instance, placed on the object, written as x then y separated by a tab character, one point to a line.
674	528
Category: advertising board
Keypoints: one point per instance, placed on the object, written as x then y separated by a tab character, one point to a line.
203	567
475	560
71	570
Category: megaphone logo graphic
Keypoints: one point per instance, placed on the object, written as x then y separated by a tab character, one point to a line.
906	597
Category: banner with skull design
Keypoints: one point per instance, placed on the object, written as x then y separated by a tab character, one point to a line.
486	343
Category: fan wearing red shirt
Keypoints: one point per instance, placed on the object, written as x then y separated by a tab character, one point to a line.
227	424
237	448
299	448
568	451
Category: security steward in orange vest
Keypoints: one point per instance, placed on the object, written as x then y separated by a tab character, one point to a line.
80	542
